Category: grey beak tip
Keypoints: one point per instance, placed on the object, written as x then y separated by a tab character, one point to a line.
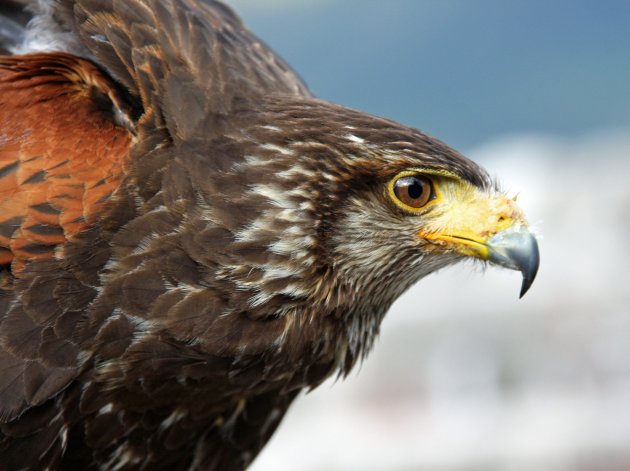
517	249
524	287
529	270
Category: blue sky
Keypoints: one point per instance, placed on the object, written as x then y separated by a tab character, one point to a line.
464	70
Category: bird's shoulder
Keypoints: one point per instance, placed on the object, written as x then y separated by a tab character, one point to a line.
62	154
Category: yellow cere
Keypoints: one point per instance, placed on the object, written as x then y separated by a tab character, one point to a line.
462	218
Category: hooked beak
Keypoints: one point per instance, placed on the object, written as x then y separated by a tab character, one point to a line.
488	226
516	248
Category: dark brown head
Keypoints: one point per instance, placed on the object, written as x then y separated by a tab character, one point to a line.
313	205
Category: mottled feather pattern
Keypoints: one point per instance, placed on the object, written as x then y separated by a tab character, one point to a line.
29	339
51	184
189	243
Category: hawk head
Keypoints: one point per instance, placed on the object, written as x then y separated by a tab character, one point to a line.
326	210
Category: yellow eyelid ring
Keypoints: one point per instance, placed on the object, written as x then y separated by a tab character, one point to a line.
420	173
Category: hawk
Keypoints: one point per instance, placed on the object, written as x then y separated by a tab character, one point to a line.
189	238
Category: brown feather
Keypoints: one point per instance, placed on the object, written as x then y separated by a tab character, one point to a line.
177	232
56	175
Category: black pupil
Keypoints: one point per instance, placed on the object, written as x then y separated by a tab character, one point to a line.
415	190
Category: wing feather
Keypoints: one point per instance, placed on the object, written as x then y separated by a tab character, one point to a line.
174	56
146	75
55	174
65	143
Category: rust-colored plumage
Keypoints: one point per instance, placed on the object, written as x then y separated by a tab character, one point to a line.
188	238
55	174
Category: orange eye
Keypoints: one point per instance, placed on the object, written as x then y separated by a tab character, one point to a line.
414	191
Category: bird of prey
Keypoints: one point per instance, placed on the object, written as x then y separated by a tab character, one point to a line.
189	238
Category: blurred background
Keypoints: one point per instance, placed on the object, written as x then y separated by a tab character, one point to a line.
465	376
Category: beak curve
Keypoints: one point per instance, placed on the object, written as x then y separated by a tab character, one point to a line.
516	248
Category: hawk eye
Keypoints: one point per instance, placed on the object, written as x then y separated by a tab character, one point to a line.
414	191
